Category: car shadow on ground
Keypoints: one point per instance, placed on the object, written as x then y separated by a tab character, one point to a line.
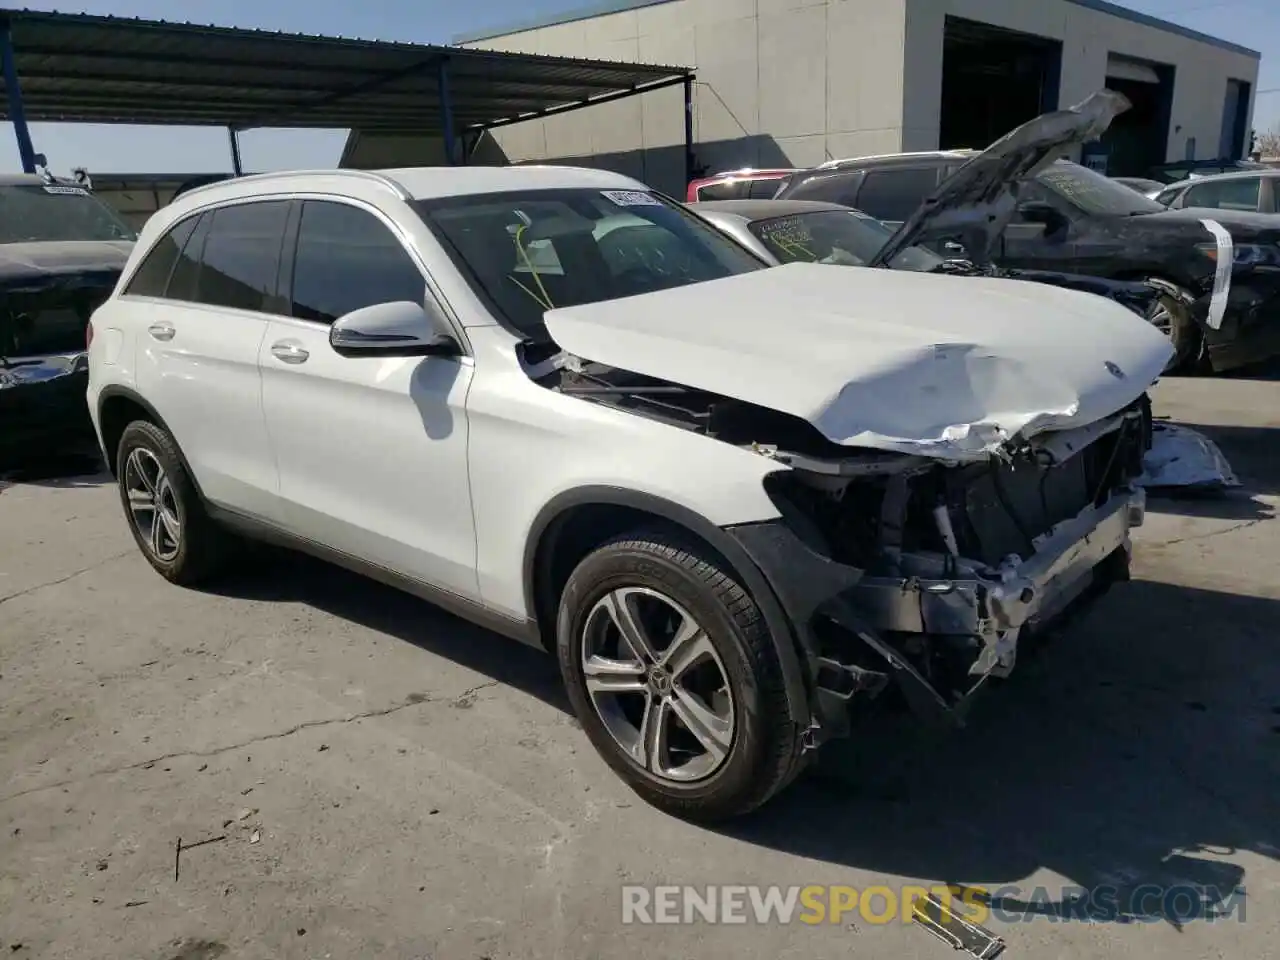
1141	747
298	578
74	469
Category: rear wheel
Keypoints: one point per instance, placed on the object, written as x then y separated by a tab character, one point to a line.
165	514
674	676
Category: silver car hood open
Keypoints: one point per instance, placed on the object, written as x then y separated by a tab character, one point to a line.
944	367
977	202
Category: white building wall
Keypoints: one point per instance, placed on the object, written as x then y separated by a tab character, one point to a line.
796	82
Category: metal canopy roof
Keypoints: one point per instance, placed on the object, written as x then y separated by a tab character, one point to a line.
79	68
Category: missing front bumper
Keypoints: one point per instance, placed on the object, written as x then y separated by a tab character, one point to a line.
989	609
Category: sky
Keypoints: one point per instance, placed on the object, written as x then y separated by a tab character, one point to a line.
103	149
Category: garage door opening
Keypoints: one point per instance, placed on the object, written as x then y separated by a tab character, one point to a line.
992	80
1137	139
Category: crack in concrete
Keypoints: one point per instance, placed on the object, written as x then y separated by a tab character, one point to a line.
1212	533
412	700
69	576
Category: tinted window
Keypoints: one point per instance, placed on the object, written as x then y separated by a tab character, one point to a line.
241	259
1168	196
607	244
152	275
186	272
724	190
833	188
1239	194
348	259
894	194
763	189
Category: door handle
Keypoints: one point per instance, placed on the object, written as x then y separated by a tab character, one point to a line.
287	351
161	331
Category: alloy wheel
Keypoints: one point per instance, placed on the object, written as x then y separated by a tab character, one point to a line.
658	684
153	504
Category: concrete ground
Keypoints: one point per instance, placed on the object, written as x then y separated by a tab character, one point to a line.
378	778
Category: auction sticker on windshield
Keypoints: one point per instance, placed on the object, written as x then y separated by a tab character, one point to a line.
631	198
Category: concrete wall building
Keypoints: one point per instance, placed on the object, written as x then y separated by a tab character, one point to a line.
797	82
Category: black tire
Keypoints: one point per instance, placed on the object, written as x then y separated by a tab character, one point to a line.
765	748
1181	329
202	547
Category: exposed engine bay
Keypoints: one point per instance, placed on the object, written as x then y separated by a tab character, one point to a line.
909	567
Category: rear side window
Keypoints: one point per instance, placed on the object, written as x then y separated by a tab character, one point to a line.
241	260
347	259
152	276
895	193
1239	194
763	189
182	281
833	188
724	190
1168	196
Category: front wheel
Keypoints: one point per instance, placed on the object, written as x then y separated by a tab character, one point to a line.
674	676
1171	316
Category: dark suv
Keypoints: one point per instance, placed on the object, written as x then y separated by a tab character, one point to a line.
1060	216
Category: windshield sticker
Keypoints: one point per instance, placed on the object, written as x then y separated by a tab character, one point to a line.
791	235
65	191
1222	274
631	198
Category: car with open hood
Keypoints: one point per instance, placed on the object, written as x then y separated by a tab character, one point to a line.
61	253
811	231
739	503
1018	206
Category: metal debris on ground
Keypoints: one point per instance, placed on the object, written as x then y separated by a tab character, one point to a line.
1185	459
180	846
951	928
255	836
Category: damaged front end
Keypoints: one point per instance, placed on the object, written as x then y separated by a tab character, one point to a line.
909	577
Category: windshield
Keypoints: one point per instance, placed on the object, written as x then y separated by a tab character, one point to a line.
56	212
1093	193
529	252
835	236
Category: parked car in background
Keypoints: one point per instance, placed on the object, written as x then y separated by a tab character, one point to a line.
355	364
61	252
1146	187
745	184
810	231
1192	169
1256	191
1059	216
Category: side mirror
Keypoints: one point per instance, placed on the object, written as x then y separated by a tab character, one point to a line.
1038	211
396	329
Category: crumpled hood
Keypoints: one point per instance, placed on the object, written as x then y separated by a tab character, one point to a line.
978	200
945	367
19	261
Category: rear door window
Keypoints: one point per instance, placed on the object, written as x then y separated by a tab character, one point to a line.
240	265
347	259
894	193
839	188
724	190
152	276
1235	194
764	189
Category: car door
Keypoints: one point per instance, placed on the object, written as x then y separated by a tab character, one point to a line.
371	451
201	301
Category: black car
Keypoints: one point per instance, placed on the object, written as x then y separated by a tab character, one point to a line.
61	253
1014	205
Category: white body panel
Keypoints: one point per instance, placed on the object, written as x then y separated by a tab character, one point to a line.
205	383
948	367
372	454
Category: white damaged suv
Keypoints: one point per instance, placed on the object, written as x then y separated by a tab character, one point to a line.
738	502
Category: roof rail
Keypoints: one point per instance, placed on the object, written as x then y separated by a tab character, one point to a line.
380	178
956	152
